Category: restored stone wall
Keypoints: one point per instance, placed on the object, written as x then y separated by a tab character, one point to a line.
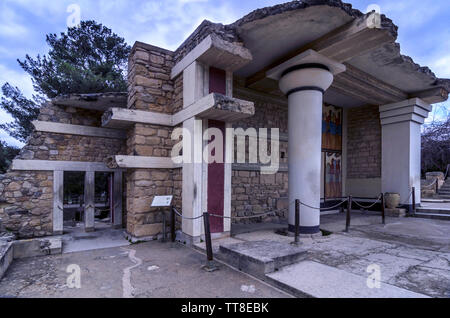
364	143
69	115
150	140
27	203
254	193
28	195
178	94
150	87
142	186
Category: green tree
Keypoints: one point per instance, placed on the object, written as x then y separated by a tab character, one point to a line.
7	154
86	59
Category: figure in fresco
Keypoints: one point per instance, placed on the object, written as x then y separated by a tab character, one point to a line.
338	131
333	129
328	131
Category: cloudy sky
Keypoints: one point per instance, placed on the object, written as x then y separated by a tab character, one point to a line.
424	32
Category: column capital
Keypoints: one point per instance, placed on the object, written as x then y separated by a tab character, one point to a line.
306	71
410	110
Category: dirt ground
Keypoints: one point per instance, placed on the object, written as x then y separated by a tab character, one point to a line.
145	270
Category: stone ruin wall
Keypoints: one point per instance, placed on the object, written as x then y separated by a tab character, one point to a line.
151	89
253	192
364	143
27	196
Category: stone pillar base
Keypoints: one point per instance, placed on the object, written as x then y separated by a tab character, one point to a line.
395	213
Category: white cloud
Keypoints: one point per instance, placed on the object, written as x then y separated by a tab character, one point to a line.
10	25
410	14
20	79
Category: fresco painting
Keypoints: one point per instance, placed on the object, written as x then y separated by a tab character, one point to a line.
332	128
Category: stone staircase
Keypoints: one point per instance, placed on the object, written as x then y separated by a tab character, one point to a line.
433	213
441	207
444	192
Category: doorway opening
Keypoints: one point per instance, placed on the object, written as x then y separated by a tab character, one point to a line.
74	212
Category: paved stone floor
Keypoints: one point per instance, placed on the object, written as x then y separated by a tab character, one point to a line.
149	269
413	254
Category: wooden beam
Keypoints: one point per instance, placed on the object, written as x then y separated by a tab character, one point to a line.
215	52
66	129
212	106
49	165
126	118
142	162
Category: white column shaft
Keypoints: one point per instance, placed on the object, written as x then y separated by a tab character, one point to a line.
305	139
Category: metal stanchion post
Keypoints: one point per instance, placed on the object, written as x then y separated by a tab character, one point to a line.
172	225
383	209
210	267
413	200
349	208
297	222
164	226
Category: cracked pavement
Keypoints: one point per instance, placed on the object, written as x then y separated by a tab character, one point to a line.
155	270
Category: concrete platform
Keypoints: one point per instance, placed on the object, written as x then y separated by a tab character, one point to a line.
311	279
37	247
6	257
261	257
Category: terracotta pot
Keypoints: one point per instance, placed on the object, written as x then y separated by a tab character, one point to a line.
392	200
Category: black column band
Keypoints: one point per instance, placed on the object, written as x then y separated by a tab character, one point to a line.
303	66
305	88
305	229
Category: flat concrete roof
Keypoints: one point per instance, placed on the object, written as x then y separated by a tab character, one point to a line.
272	32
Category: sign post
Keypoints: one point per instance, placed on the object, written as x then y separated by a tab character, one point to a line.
163	202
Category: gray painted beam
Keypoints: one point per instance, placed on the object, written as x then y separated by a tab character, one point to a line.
89	198
117	199
50	165
58	194
79	130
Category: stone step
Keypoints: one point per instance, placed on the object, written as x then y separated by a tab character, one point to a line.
6	257
434	216
312	279
261	257
433	211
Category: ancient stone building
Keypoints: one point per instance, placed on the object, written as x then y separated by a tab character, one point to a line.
324	79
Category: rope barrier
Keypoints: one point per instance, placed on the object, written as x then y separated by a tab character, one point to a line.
407	200
368	207
430	185
186	218
246	217
324	209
